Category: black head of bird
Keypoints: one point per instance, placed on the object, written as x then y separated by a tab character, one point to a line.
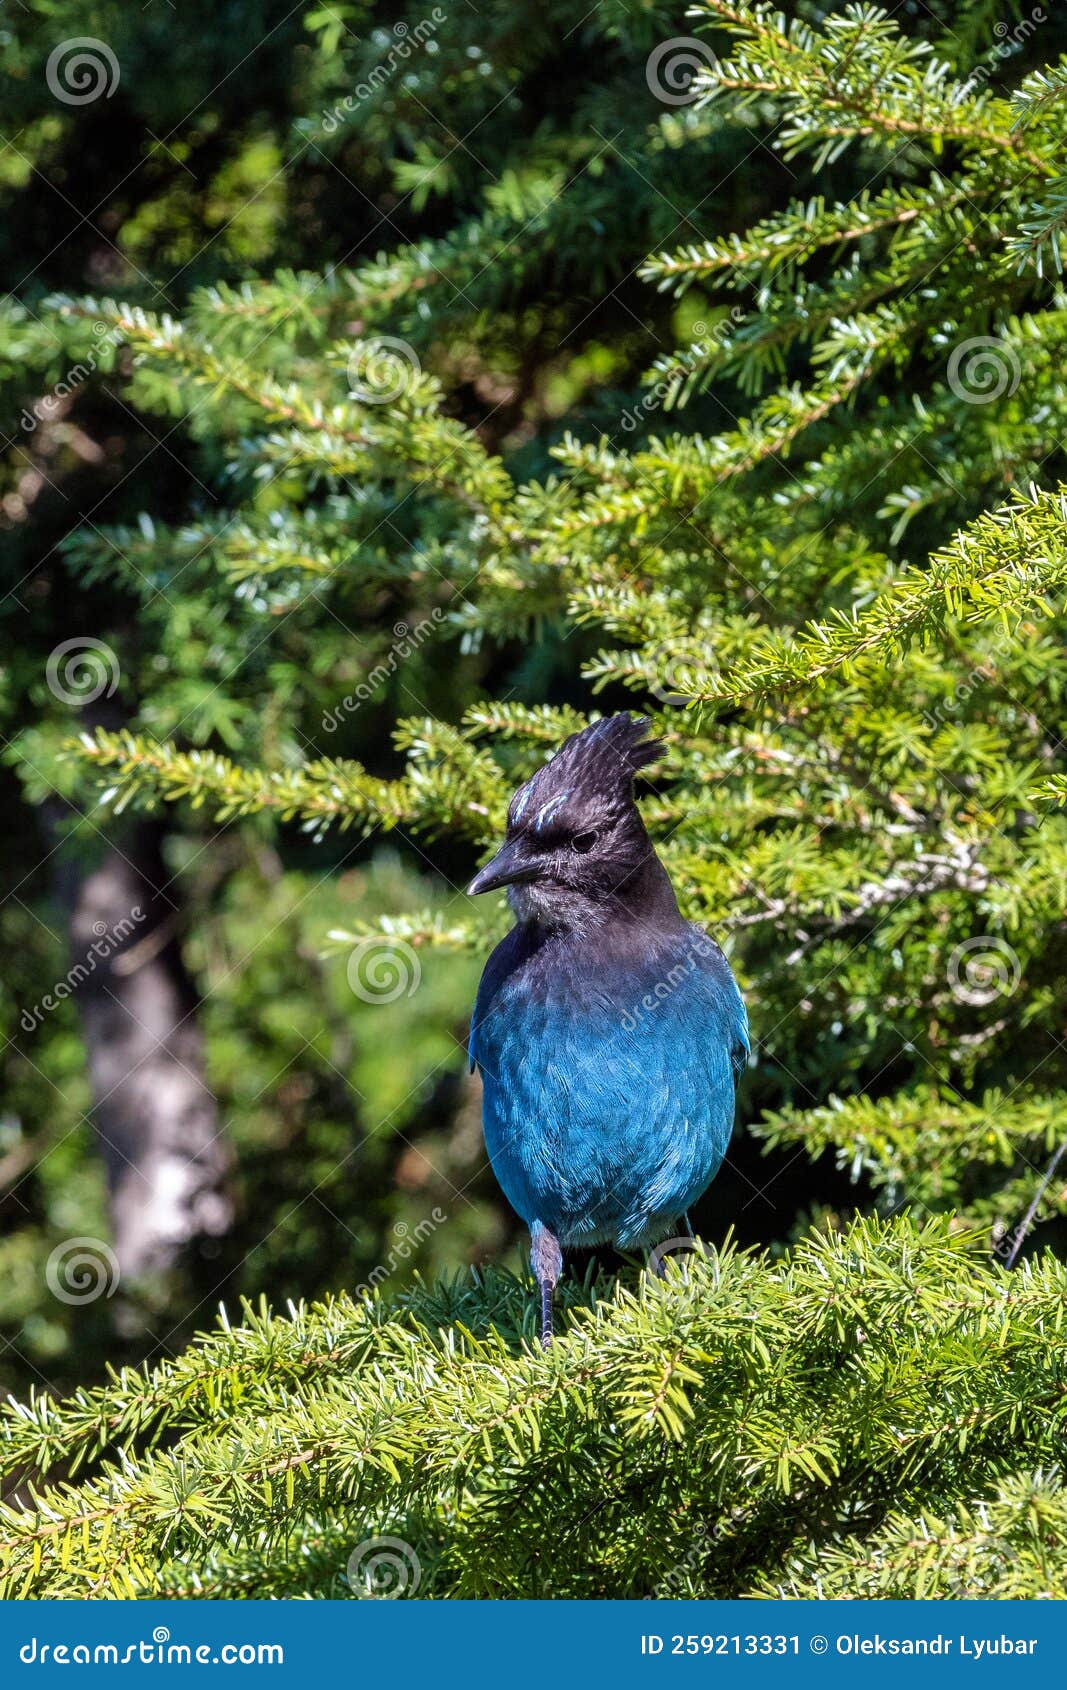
576	849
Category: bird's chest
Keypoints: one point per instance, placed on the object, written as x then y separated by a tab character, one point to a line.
571	1031
564	1044
595	1082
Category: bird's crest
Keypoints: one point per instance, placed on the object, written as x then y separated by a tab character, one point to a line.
599	762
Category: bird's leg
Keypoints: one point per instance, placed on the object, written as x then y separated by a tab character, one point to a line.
687	1223
546	1259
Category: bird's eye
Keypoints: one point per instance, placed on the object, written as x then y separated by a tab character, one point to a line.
583	842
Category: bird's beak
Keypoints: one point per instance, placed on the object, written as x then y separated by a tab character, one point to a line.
506	869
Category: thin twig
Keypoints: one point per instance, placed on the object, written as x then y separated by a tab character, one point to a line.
1028	1219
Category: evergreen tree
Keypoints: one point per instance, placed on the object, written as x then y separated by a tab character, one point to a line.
824	544
840	605
879	1415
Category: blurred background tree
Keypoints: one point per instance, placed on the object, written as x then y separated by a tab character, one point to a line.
336	357
250	158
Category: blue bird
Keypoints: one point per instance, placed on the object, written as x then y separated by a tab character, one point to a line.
609	1032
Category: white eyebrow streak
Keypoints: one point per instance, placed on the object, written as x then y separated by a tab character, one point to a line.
522	798
546	810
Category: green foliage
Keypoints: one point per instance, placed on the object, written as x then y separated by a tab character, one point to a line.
850	798
781	464
743	1428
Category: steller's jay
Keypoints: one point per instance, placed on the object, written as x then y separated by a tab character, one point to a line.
610	1033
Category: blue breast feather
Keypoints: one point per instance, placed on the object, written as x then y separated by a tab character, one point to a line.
609	1080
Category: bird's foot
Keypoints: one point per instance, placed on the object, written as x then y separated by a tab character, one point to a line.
546	1259
546	1314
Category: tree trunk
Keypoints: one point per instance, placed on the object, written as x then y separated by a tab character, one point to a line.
155	1119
